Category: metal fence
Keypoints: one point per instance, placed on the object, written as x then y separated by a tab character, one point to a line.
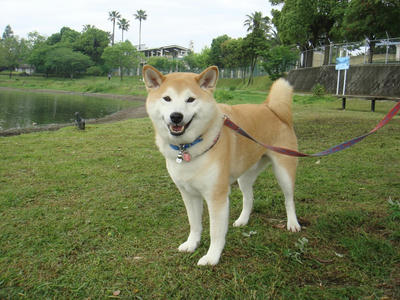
241	72
384	51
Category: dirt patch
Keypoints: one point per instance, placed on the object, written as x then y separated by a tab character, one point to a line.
128	113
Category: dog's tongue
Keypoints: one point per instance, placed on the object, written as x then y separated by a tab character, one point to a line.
177	128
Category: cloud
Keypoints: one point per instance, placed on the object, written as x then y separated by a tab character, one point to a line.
168	22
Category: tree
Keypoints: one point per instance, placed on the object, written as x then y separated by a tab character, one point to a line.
69	36
92	42
372	19
278	60
8	33
231	51
9	54
35	39
10	50
65	61
24	51
38	57
66	36
123	24
113	16
122	55
256	42
234	54
160	62
215	54
54	39
295	26
13	52
140	15
198	61
308	23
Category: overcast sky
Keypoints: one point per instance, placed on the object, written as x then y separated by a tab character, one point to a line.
169	22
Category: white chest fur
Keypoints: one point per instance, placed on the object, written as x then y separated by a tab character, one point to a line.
197	176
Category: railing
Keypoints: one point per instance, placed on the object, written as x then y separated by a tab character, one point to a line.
384	51
241	72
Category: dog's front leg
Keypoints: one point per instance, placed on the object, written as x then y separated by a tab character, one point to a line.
219	217
194	208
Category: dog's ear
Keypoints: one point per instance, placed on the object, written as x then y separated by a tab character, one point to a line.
208	78
152	77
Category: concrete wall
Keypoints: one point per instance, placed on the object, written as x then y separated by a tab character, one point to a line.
374	80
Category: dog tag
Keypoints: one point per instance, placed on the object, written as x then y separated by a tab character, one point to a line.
179	157
186	156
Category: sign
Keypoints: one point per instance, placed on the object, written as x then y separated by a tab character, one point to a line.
342	63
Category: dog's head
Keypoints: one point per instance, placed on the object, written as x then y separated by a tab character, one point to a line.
181	105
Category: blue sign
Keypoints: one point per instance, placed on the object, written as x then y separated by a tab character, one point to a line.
342	63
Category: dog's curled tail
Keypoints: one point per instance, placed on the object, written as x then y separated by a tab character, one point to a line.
279	100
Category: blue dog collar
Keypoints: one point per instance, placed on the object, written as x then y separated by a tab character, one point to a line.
185	146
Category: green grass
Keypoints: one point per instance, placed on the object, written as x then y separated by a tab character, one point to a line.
87	213
260	83
130	85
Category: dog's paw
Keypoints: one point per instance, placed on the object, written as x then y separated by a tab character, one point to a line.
240	222
208	260
293	226
188	246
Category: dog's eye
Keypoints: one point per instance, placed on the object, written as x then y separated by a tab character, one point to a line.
167	98
190	100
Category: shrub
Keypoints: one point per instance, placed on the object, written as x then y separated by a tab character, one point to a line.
318	90
279	60
223	95
94	71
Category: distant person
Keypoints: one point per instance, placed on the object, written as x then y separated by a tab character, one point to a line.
109	76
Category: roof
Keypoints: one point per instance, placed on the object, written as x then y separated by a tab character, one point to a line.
166	48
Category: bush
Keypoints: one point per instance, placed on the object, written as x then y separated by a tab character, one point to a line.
318	90
223	95
278	61
95	71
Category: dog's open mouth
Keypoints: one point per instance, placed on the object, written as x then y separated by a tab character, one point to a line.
177	130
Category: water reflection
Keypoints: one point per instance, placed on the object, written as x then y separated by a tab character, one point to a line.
25	109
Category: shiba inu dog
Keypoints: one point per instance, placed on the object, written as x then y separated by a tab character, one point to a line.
204	157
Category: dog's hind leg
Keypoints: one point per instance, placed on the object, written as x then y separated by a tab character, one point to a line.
285	172
194	208
246	182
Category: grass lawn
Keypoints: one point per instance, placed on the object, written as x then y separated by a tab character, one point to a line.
91	84
94	215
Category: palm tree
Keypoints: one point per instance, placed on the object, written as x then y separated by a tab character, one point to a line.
123	24
256	21
113	16
87	27
258	28
140	15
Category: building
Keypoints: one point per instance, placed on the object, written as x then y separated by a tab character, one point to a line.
172	51
25	68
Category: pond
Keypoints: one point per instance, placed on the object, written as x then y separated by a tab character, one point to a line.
20	109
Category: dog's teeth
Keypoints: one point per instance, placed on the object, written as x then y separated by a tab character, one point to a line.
177	128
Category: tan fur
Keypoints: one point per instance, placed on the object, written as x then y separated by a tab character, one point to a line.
211	171
280	100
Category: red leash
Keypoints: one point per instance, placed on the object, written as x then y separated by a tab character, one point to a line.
331	150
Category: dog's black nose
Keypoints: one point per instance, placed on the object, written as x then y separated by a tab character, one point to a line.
176	117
